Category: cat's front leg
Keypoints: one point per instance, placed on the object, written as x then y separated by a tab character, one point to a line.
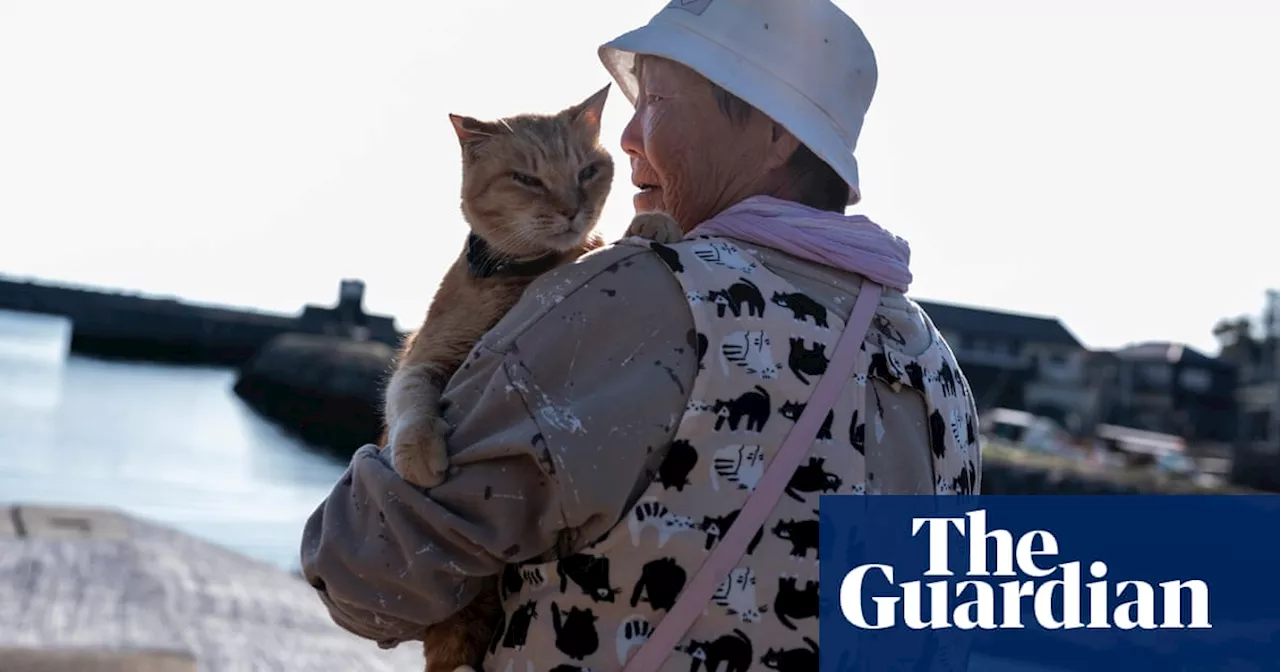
656	226
415	430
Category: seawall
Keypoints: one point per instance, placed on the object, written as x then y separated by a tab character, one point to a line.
323	389
1002	475
130	326
329	392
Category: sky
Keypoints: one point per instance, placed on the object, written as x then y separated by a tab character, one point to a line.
1113	163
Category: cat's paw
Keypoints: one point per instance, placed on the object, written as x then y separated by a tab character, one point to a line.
420	454
656	226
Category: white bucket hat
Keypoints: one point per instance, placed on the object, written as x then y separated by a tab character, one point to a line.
805	63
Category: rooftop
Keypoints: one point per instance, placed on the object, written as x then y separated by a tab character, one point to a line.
1170	352
1024	326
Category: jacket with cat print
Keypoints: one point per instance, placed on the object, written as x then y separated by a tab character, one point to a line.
761	345
564	414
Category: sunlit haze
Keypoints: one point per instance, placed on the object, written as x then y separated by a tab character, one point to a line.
1112	163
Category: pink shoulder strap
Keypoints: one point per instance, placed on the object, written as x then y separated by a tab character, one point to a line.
697	594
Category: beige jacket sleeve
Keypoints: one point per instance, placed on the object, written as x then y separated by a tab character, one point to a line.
560	415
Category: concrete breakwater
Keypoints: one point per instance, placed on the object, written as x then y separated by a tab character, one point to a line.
1004	476
128	326
329	392
326	390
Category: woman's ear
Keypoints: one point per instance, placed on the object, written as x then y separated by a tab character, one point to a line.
781	146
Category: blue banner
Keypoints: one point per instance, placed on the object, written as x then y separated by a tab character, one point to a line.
1049	583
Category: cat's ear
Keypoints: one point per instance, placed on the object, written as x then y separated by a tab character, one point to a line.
471	130
587	113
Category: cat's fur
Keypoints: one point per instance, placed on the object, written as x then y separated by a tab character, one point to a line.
533	187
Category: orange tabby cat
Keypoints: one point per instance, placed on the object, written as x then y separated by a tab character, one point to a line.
532	190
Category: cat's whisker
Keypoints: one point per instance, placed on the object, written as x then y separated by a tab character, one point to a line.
522	238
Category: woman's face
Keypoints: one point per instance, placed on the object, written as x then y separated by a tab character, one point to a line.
687	158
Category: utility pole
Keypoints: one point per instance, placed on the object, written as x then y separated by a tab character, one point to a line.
1271	339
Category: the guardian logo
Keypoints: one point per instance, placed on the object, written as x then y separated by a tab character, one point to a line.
988	604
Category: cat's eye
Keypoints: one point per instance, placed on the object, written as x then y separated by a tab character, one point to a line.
527	180
588	173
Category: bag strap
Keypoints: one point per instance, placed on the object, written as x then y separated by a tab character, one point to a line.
697	594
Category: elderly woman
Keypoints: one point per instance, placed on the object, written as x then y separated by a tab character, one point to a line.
605	441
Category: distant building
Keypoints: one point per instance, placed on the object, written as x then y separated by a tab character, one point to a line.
1166	387
348	319
1257	358
1011	360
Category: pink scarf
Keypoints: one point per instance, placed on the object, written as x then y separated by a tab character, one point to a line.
847	242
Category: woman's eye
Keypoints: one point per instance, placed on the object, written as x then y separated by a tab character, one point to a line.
652	98
527	180
587	173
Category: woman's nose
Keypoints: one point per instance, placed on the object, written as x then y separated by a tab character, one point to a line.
633	136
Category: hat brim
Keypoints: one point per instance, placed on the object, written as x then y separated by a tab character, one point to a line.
759	87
